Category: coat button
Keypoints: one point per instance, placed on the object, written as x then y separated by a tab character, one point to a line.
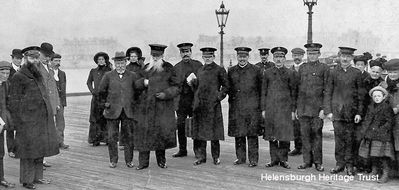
313	74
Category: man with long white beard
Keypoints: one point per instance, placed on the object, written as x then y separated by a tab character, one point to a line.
156	129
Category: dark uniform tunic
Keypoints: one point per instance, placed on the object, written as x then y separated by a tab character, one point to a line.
244	92
296	124
211	87
184	102
344	99
265	65
97	130
312	83
278	100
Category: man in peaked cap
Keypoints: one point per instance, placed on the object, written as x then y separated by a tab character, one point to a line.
264	63
211	87
278	91
245	83
31	109
156	129
184	101
297	56
344	109
117	89
312	77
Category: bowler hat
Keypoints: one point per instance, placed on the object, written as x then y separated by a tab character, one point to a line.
47	49
17	53
119	55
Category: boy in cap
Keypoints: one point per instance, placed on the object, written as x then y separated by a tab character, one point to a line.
344	107
297	56
312	78
245	83
156	129
5	117
278	108
264	63
185	98
117	88
210	88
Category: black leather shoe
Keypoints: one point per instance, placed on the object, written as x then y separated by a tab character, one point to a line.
216	161
162	165
42	181
96	143
45	164
295	152
112	165
337	169
271	164
350	171
63	146
319	167
285	165
29	185
180	154
199	161
238	162
252	164
141	167
304	166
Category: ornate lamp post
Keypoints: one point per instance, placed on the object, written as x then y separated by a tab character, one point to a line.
221	16
310	4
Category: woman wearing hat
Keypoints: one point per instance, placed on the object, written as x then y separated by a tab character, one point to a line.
97	129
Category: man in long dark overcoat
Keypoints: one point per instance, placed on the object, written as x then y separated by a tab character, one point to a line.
278	108
117	88
156	129
344	107
312	80
184	102
30	108
97	128
211	86
245	83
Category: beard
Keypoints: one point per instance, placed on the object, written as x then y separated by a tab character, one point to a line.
33	69
155	65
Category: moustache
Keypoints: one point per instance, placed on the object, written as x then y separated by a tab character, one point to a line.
186	56
297	59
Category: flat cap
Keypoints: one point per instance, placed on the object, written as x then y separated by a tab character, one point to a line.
347	50
243	50
279	50
360	58
378	88
264	51
391	65
157	49
5	65
298	51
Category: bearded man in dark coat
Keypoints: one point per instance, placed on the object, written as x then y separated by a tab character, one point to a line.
156	129
245	83
184	102
278	108
210	86
31	109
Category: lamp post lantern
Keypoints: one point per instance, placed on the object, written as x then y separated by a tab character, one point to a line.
221	16
310	4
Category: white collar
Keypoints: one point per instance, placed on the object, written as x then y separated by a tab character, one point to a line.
15	67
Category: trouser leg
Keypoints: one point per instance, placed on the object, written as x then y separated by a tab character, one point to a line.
274	151
297	135
10	138
342	137
113	131
26	170
215	149
306	131
283	149
253	149
317	142
1	169
160	155
38	168
144	158
60	124
240	145
181	131
127	137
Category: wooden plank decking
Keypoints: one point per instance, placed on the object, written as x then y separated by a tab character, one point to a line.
86	167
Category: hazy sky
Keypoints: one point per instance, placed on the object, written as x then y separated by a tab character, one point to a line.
138	22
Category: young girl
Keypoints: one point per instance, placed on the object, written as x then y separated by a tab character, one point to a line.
376	143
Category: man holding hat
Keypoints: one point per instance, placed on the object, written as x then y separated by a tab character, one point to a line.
97	128
117	88
184	100
344	106
278	108
156	129
297	56
210	86
264	63
16	60
4	116
245	83
32	111
60	80
312	78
